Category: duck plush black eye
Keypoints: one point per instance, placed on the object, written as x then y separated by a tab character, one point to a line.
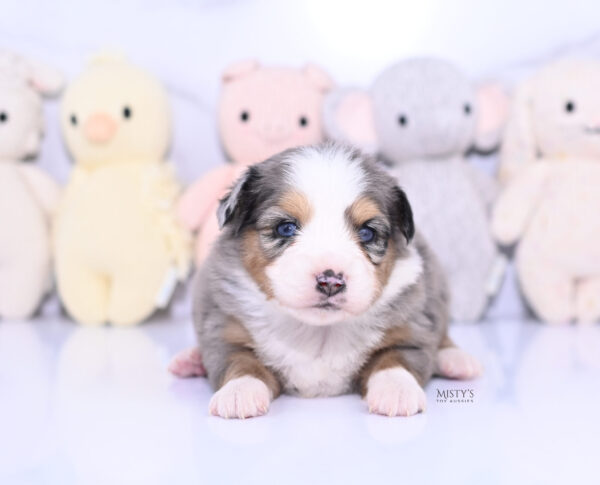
3	116
569	106
244	116
402	120
73	120
127	112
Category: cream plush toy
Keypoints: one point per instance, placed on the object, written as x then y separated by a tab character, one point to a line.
421	116
262	111
550	167
28	196
118	247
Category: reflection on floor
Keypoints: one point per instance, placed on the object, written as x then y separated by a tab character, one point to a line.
97	406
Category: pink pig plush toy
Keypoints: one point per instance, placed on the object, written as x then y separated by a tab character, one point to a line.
262	111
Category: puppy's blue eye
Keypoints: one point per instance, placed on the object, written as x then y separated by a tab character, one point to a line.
287	229
366	234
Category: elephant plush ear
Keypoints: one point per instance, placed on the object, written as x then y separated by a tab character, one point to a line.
348	118
492	112
518	146
239	69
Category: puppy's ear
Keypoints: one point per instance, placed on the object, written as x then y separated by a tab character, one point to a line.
402	214
237	207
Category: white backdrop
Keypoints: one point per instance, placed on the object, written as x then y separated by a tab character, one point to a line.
187	44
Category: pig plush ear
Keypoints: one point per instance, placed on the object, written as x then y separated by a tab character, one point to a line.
492	112
44	79
348	118
318	78
519	146
239	69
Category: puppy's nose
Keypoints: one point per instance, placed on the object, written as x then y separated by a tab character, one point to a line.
330	283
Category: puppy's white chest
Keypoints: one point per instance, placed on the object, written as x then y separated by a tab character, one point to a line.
316	361
321	376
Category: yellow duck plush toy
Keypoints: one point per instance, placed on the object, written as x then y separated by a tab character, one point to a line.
118	248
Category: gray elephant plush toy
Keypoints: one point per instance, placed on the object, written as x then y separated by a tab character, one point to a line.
421	116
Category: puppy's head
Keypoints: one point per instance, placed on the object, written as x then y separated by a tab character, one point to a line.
321	229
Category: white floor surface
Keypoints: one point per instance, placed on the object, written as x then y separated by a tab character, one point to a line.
97	406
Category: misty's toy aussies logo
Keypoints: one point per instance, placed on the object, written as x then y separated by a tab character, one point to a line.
455	396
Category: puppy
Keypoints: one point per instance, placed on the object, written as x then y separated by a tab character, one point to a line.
319	286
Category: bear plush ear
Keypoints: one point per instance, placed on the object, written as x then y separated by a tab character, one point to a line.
492	112
239	69
44	79
518	146
318	78
348	117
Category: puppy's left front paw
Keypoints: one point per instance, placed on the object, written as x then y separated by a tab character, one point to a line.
243	397
394	392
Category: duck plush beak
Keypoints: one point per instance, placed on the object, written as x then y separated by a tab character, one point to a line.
99	128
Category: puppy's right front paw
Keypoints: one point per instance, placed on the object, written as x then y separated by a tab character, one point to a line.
394	392
243	397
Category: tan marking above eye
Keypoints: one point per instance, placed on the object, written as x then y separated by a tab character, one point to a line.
296	205
363	210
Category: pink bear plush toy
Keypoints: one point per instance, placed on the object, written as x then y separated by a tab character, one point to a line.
262	111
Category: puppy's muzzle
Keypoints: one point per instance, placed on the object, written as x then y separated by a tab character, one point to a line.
330	283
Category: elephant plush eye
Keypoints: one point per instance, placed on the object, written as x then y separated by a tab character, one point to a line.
467	108
244	116
569	106
73	120
3	116
303	121
126	112
402	120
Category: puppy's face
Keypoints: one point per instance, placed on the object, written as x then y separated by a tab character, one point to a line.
321	231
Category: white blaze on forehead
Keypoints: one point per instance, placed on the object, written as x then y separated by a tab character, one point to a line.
330	180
